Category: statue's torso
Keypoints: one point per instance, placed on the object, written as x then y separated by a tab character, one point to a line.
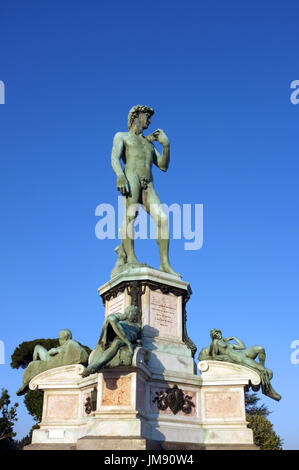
228	349
139	154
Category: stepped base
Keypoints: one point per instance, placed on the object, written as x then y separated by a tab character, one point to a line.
50	447
133	443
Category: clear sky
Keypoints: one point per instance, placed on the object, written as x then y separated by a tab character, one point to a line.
218	75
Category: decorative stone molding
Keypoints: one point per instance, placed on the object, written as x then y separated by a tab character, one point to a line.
69	376
221	372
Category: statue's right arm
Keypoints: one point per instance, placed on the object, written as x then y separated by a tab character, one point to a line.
117	153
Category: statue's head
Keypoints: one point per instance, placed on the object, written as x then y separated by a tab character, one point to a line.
64	336
142	113
132	313
216	334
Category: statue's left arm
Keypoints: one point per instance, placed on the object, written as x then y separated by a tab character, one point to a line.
239	345
118	330
162	161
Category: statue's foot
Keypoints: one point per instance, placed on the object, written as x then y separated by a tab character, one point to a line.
166	268
132	260
274	395
88	371
22	390
85	373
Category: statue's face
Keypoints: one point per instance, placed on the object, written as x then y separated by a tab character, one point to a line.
63	337
144	119
217	334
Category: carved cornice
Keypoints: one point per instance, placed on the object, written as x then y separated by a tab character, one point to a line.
134	286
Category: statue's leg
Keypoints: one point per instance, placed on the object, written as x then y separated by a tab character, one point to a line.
153	206
265	374
131	212
257	351
119	331
107	355
40	353
111	351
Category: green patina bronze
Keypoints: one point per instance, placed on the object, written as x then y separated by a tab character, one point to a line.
120	334
135	183
68	352
221	349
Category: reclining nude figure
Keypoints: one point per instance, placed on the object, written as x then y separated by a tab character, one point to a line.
119	329
68	352
221	349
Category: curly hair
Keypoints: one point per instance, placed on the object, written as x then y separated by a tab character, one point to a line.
136	110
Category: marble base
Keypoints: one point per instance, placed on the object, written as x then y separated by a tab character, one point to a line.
50	447
223	418
117	443
105	408
121	443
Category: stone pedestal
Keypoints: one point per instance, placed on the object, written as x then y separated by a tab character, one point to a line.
108	403
124	408
64	419
162	299
222	402
159	402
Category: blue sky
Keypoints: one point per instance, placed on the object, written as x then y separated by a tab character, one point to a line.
218	75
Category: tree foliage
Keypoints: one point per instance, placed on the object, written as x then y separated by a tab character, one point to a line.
33	401
20	444
264	435
8	417
251	407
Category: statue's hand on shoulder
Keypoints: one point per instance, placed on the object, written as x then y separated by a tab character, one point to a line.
160	136
123	185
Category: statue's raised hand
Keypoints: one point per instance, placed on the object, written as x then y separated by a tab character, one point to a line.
123	185
160	136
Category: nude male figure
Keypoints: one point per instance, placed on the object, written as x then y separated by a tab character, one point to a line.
68	352
119	329
135	182
41	353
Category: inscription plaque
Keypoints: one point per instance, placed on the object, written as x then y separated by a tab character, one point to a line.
117	304
164	313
